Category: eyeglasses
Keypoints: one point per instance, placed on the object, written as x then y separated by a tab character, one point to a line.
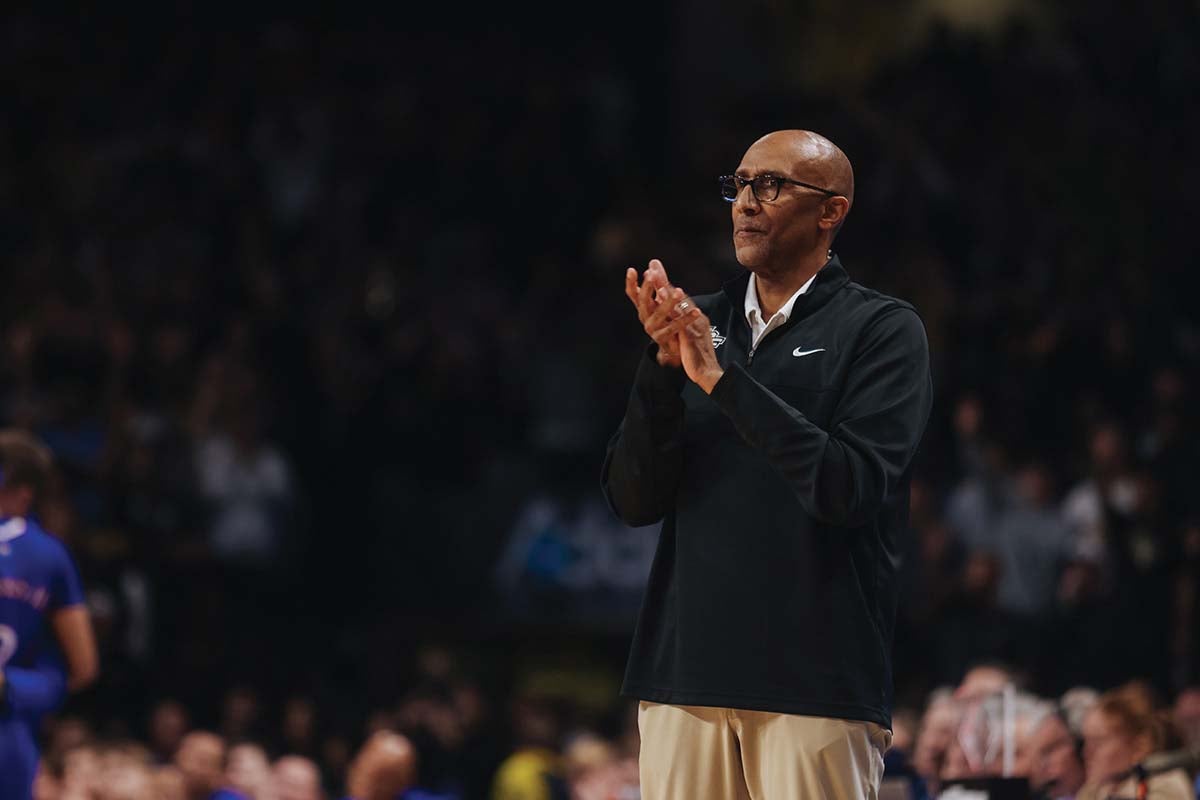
765	187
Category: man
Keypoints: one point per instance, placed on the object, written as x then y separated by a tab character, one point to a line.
201	760
982	679
296	778
248	771
771	427
997	737
1185	716
47	646
1058	759
385	766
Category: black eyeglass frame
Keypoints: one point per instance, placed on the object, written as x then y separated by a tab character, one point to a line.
741	183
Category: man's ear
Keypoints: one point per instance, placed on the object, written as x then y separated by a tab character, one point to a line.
834	212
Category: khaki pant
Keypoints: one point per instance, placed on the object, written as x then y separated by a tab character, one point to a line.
703	753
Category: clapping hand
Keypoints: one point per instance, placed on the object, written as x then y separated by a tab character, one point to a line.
677	326
654	301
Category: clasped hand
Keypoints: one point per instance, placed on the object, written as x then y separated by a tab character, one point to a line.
677	326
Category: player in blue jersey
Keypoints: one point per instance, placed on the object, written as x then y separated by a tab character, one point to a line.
47	647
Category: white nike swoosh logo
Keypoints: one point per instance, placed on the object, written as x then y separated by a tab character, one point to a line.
798	352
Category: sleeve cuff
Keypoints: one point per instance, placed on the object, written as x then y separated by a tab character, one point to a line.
662	382
723	389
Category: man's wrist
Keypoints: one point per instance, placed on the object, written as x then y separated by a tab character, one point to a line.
708	379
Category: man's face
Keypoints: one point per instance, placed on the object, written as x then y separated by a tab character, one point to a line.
1187	716
770	237
167	726
296	779
934	739
199	759
1056	768
248	770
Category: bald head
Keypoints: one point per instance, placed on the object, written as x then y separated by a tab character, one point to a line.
785	235
385	766
296	778
201	759
819	160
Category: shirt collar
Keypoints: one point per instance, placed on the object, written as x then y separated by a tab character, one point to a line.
754	310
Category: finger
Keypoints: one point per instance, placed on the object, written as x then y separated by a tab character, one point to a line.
646	297
674	327
662	288
656	266
631	285
669	307
658	276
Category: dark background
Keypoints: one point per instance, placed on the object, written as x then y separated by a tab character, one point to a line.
346	285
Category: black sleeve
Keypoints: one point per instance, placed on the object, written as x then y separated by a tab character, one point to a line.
641	467
843	475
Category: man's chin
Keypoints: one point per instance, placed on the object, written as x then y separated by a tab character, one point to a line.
749	256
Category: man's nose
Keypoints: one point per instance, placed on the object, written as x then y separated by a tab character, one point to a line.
746	202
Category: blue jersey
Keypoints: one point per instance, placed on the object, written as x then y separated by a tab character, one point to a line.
37	578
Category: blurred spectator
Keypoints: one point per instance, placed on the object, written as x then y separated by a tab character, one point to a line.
170	784
201	760
1185	716
588	766
382	769
983	680
1109	489
295	778
246	481
996	736
1122	729
447	718
534	770
169	722
1075	703
298	728
1032	542
125	773
241	715
67	732
1057	769
1008	511
248	772
937	731
46	785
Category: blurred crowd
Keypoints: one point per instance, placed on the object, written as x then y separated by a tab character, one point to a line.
988	728
445	738
311	311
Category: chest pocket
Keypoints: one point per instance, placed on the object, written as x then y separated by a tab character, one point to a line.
816	404
806	382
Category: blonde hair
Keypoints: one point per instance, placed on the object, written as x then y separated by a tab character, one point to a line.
1134	710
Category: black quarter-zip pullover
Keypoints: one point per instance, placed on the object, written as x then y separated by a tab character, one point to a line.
783	495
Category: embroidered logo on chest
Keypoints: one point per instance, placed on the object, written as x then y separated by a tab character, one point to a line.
717	338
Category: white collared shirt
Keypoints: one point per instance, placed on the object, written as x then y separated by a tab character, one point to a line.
754	314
